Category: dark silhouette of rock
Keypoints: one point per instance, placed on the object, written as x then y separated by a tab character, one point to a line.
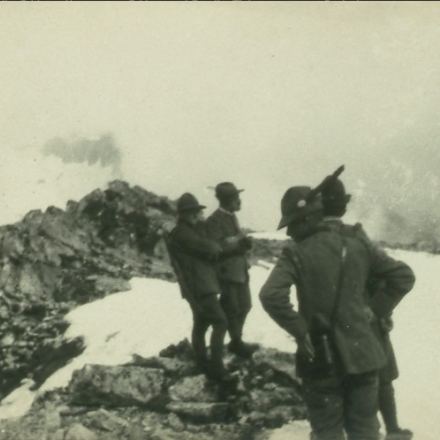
80	432
200	411
280	362
173	367
194	389
54	260
116	386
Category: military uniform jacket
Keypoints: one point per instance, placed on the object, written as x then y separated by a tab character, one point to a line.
390	371
221	226
313	266
196	255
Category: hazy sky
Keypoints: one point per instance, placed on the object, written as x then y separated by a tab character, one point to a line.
266	94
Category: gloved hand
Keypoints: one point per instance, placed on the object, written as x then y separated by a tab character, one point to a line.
305	347
386	324
370	314
216	251
246	242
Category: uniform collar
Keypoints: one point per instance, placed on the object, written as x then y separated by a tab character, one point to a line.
225	211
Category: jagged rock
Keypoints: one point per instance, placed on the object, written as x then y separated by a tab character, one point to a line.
137	432
200	411
280	415
282	362
256	417
114	385
59	226
194	389
7	340
174	367
54	252
263	401
9	278
182	351
57	435
12	244
105	420
30	283
33	220
108	284
50	357
52	419
80	432
175	422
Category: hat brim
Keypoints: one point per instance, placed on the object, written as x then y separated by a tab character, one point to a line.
229	195
192	208
287	219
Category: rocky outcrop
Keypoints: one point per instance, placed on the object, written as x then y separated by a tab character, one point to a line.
165	397
266	391
116	386
53	260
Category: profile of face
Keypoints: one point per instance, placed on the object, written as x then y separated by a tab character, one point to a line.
232	205
302	228
192	217
298	229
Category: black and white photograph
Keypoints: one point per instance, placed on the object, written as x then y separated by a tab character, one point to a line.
219	220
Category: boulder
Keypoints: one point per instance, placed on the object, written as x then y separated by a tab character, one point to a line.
263	401
281	362
174	367
200	411
52	419
175	422
54	251
9	278
108	284
194	389
80	432
106	421
59	226
57	435
12	246
30	283
116	385
280	415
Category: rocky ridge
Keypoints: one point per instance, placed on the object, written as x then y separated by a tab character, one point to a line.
54	260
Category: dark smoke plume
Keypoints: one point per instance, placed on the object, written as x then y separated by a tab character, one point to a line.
91	150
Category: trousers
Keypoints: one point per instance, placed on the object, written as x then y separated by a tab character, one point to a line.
344	402
210	314
236	302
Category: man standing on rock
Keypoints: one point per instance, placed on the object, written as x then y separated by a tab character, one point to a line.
222	226
335	200
194	256
338	353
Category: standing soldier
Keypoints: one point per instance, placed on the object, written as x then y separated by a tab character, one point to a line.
193	255
335	200
222	226
338	353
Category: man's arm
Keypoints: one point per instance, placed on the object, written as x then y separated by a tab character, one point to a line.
195	245
275	296
230	245
397	280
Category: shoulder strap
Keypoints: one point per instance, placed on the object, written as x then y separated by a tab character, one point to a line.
339	286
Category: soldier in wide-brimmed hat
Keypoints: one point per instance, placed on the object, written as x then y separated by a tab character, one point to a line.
335	201
338	353
194	256
233	274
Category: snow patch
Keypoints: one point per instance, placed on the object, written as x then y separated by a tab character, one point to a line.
274	235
